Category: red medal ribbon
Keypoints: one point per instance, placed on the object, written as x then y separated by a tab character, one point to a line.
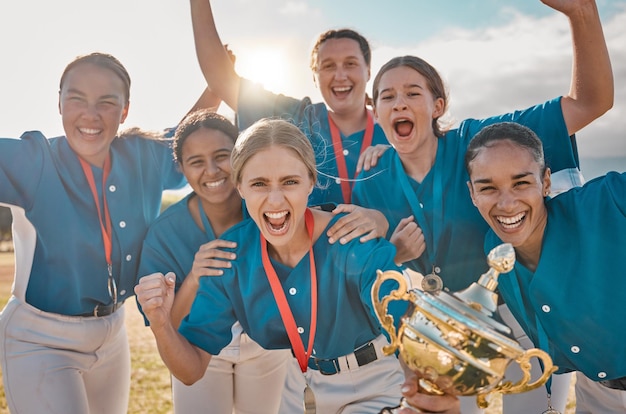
105	227
281	300
346	186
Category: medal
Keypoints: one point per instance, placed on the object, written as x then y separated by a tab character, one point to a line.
432	283
346	187
297	345
104	217
550	410
309	400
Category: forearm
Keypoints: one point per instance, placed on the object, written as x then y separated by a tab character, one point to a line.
183	300
185	361
208	100
592	87
215	63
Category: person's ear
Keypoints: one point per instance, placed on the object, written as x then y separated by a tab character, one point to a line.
547	182
438	108
125	112
471	190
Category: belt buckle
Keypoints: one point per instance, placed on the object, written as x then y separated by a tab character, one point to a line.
105	310
322	370
365	354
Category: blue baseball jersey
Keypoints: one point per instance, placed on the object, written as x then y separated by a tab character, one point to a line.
441	204
256	103
173	240
572	306
345	275
60	258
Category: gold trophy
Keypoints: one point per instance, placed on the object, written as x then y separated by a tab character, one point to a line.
452	342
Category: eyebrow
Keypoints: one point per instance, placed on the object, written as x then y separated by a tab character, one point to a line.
489	180
286	177
78	92
409	86
217	151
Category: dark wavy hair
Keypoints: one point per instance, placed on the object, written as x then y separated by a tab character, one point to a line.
203	118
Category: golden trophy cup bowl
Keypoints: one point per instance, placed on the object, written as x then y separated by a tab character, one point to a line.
452	342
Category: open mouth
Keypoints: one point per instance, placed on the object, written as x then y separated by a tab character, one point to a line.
342	91
403	127
277	222
510	223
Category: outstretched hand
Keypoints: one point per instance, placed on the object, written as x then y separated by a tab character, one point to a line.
567	7
210	259
369	158
360	222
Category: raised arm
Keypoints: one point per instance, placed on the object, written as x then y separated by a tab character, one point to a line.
215	62
592	89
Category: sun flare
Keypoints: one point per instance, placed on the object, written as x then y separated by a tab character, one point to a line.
267	66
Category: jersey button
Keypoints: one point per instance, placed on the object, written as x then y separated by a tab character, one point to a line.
300	330
602	374
545	308
122	224
129	257
292	291
346	152
112	188
575	349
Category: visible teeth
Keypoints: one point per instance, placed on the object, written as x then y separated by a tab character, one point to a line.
276	215
213	184
511	221
342	89
89	131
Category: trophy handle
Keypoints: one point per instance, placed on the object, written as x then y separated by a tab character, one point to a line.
523	385
380	306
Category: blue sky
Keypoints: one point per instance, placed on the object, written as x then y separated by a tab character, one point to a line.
495	55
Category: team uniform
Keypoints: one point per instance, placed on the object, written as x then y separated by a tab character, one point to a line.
571	304
441	203
56	355
255	103
341	378
243	377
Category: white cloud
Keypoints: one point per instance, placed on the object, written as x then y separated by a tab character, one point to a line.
499	69
298	10
488	71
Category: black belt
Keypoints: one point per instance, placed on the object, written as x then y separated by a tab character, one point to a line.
103	310
616	384
364	355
